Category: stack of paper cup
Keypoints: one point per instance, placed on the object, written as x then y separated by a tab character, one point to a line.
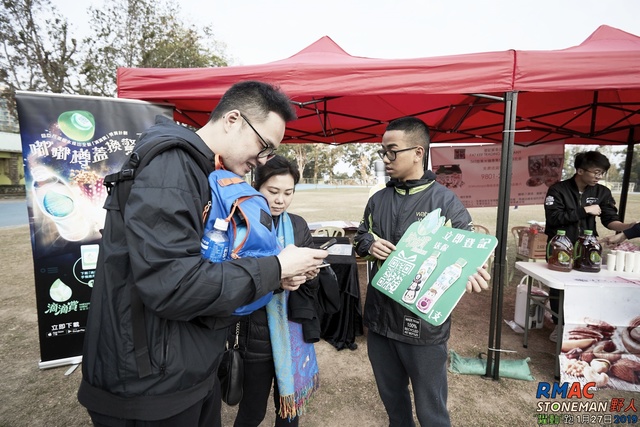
611	261
636	262
620	260
629	262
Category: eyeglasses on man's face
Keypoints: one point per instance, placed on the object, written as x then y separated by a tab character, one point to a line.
268	150
393	154
597	173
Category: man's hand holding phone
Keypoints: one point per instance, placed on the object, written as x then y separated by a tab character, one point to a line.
295	261
313	273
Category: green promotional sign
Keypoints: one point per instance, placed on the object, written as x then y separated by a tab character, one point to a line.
428	271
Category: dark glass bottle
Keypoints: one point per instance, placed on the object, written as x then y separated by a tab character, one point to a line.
587	253
560	252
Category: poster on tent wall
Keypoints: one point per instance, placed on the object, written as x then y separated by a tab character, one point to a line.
473	172
69	144
601	334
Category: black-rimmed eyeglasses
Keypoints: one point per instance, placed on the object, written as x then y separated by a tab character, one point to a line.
268	150
392	154
597	173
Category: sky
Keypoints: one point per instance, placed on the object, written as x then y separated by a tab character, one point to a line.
259	31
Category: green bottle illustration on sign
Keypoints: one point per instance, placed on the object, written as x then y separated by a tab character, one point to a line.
429	288
424	272
447	278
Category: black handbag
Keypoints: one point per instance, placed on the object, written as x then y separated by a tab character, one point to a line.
231	372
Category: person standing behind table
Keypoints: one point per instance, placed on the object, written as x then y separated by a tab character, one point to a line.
396	356
573	205
155	252
270	354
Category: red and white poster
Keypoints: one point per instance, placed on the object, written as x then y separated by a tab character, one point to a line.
473	172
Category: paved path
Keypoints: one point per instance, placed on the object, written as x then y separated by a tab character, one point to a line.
13	213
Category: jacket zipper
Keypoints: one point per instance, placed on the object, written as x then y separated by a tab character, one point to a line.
165	349
403	201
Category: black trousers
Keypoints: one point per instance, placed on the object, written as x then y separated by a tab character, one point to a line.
258	379
396	364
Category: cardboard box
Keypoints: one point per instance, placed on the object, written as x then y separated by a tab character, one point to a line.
532	244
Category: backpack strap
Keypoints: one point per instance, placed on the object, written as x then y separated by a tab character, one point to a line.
122	181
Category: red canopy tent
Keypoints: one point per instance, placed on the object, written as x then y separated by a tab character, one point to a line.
584	94
341	98
591	91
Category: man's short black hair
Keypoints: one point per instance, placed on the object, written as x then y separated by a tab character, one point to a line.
256	100
591	159
416	129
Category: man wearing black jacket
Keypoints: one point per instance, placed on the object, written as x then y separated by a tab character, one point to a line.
152	252
402	347
574	204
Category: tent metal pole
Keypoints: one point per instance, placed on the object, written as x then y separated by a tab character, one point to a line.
502	229
482	95
626	176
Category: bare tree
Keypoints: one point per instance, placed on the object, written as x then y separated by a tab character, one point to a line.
299	153
361	157
317	161
38	53
143	33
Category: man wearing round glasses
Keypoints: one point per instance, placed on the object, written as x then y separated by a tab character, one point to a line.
152	253
399	352
574	204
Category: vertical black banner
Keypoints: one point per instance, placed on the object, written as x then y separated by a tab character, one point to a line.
69	144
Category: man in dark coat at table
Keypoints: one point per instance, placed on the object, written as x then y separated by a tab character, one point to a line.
572	205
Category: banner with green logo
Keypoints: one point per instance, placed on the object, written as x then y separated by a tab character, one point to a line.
69	144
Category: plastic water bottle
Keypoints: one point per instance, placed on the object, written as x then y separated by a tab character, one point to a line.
214	245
